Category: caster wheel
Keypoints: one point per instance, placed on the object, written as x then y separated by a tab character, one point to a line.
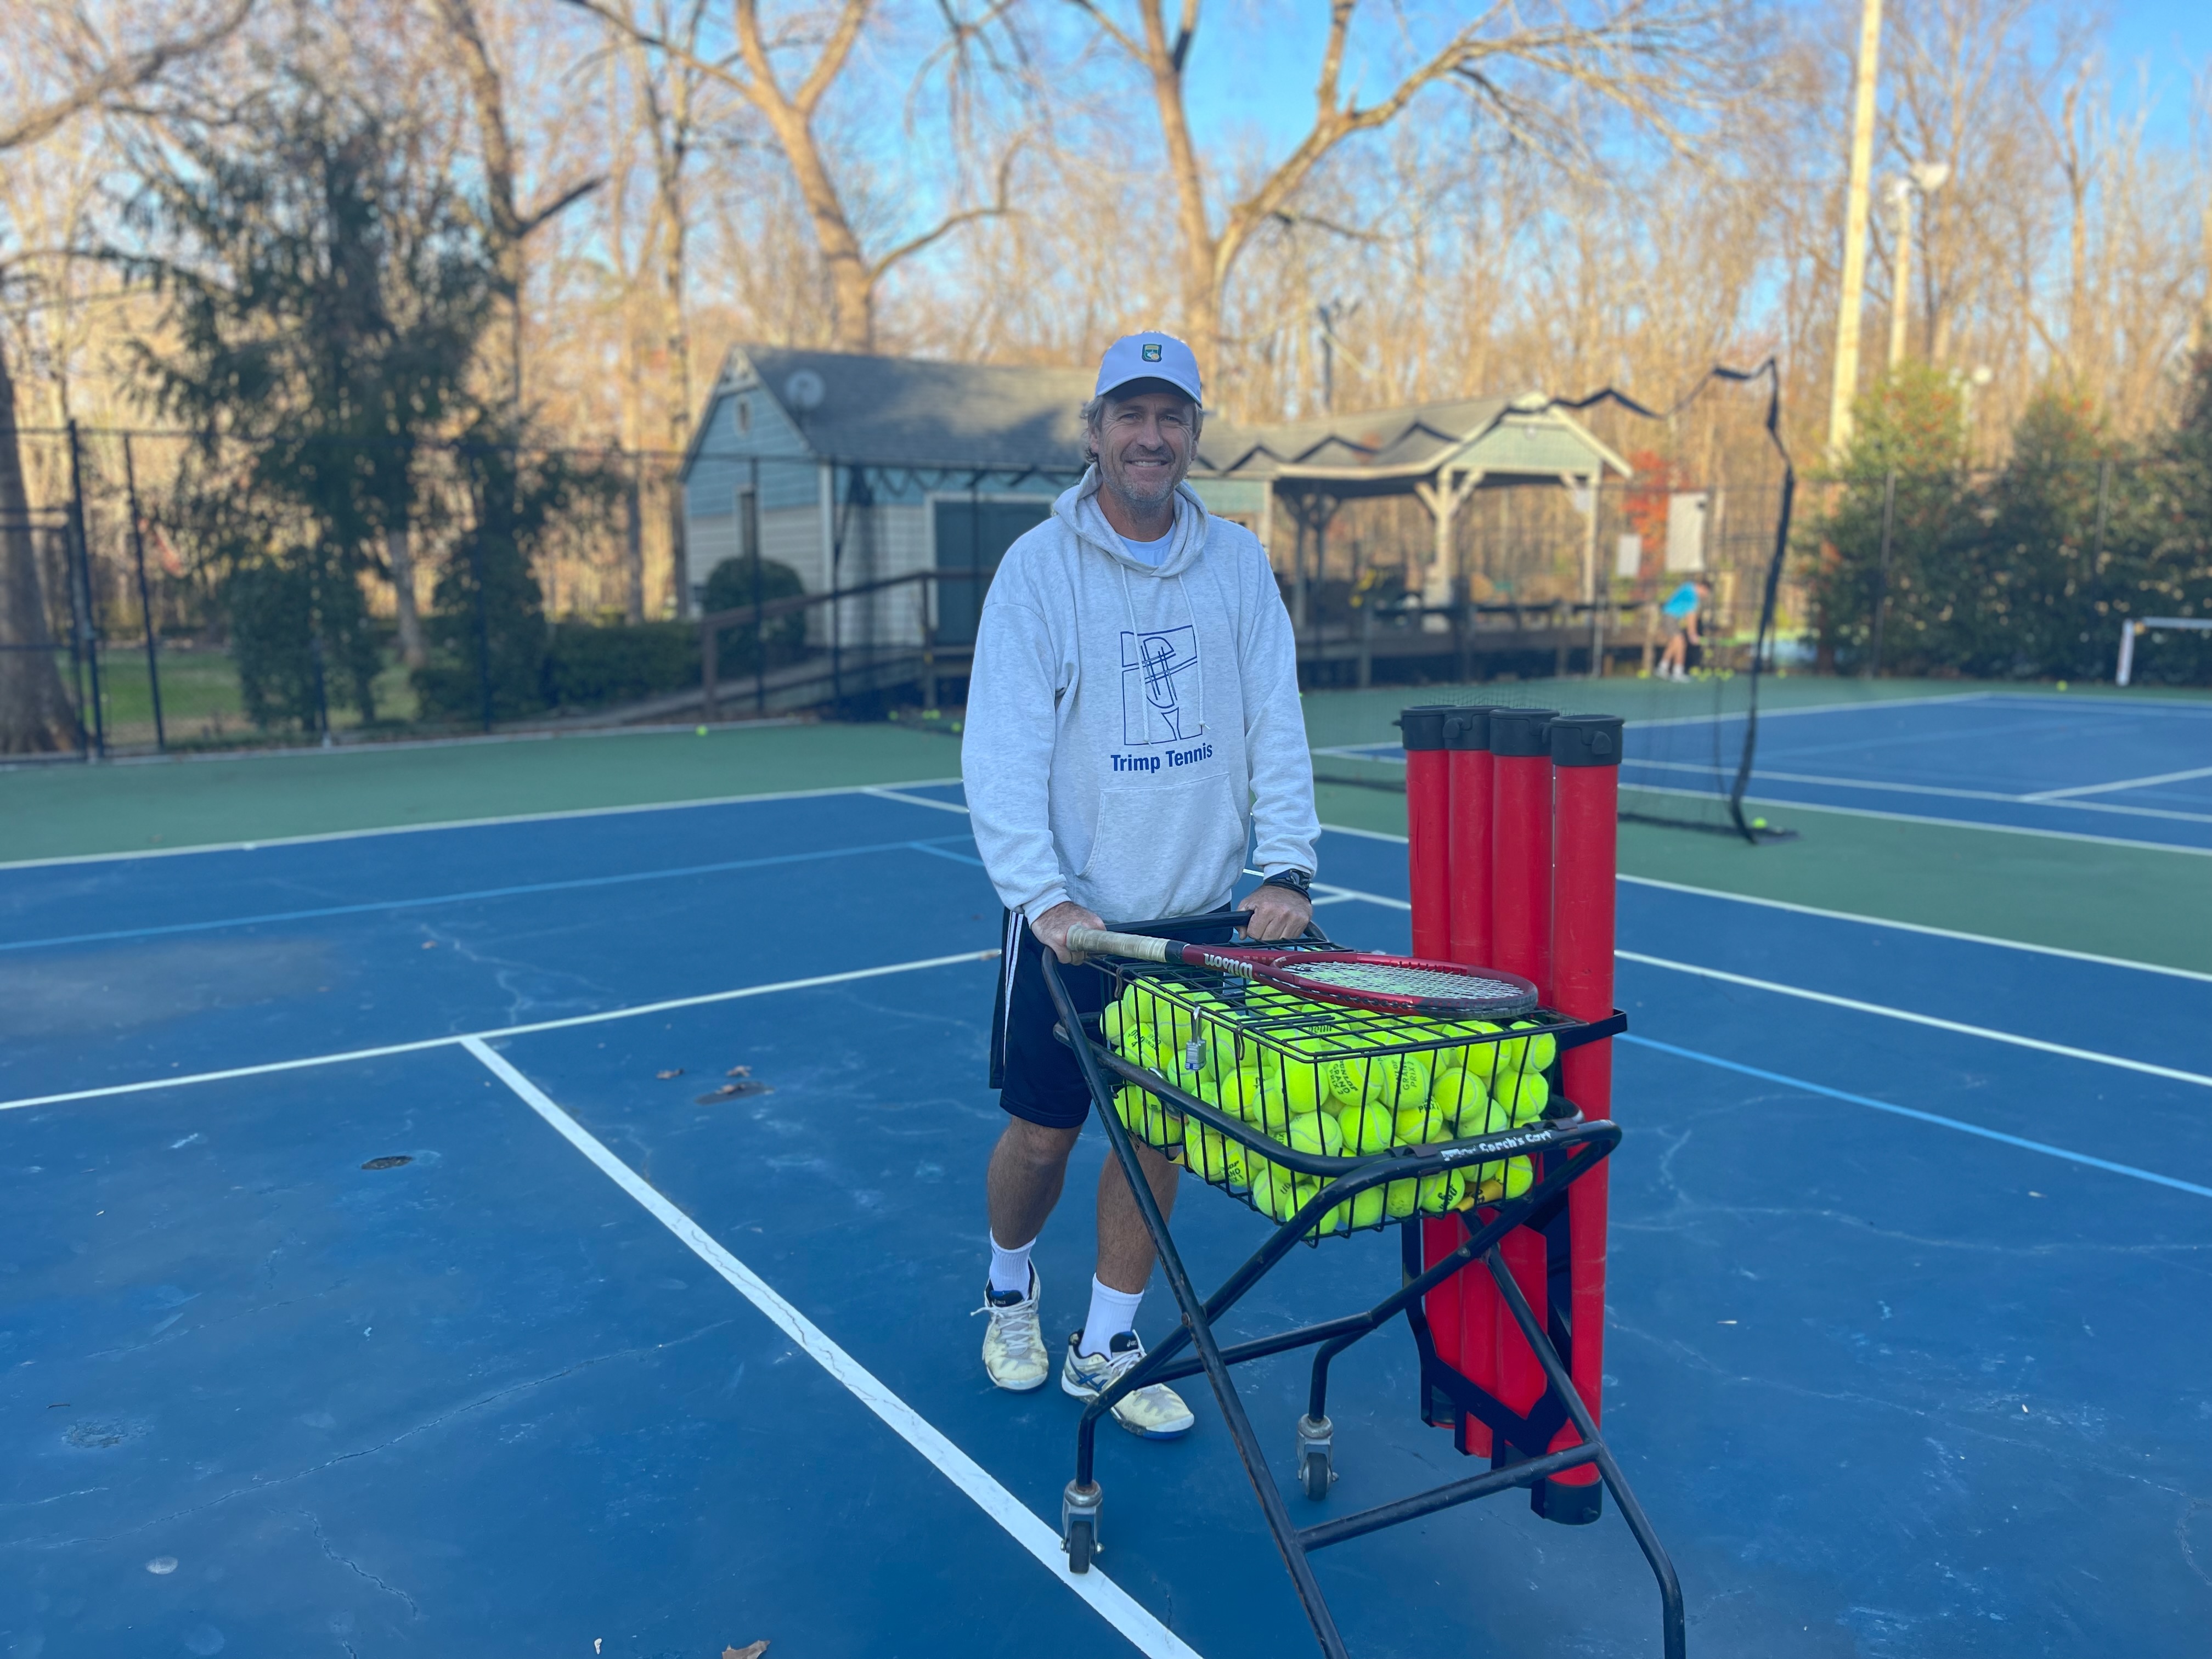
1315	1475
1082	1544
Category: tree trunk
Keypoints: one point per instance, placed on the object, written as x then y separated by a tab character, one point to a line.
35	716
398	553
1201	276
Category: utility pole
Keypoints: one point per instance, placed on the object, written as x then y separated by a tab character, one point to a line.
1855	231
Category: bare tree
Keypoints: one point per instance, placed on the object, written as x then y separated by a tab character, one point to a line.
1645	59
35	716
791	111
509	225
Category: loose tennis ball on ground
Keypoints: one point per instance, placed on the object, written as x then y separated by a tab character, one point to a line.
1442	1191
1367	1208
1366	1129
1402	1197
1530	1095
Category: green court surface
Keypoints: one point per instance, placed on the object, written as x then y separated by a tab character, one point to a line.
2132	902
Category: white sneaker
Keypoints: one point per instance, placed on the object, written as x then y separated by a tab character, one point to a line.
1155	1412
1013	1347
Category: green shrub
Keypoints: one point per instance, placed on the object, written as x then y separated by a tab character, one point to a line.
590	664
730	587
277	607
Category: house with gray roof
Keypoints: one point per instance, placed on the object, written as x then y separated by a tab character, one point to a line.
854	469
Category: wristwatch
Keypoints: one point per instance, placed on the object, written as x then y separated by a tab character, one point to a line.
1297	881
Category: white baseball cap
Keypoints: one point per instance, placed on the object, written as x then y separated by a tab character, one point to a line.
1150	357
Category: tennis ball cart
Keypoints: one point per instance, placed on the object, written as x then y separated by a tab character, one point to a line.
1337	1094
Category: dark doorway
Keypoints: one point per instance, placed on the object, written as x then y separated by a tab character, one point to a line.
974	535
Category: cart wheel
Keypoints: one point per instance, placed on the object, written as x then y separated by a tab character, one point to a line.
1082	1544
1315	1475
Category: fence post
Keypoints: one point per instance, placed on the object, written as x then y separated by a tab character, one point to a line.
87	618
483	637
749	527
1881	572
145	598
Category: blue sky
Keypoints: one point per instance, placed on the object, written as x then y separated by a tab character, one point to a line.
1255	59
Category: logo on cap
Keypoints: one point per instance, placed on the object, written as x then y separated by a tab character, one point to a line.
1152	353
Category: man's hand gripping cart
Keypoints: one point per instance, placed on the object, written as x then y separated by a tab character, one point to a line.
1458	1122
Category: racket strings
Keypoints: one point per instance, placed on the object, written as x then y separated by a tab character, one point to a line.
1390	979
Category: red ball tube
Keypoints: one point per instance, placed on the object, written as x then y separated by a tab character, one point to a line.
1428	850
1586	775
1469	766
1520	844
1493	1354
1467	751
1428	807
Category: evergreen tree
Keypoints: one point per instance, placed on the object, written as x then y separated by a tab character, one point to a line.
326	288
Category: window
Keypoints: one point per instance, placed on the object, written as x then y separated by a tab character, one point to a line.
744	416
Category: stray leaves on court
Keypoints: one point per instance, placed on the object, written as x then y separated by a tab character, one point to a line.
664	1075
739	1071
752	1652
731	1091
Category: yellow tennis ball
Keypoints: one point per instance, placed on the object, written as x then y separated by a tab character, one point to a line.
1344	1080
1302	1088
1482	1057
1400	1198
1109	1024
1462	1096
1421	1125
1129	1107
1212	1156
1366	1129
1442	1191
1543	1050
1530	1095
1519	1176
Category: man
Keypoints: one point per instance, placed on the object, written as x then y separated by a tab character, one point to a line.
1133	713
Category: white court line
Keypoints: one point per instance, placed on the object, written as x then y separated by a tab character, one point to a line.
1922	927
894	792
1107	1599
2048	797
2012	1038
2125	783
1943	823
1838	915
421	1043
464	823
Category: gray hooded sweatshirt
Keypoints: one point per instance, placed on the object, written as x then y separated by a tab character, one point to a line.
1129	725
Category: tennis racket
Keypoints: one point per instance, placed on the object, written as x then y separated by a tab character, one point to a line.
1357	979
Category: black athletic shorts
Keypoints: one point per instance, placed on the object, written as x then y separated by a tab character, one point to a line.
1036	1073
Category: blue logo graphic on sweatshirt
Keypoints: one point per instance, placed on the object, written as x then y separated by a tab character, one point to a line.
1158	671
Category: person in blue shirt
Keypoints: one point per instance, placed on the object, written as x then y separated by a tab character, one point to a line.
1686	650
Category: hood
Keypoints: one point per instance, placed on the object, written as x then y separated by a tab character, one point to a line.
1078	508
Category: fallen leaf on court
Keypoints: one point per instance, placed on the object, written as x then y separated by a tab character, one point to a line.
664	1075
752	1652
739	1071
430	944
731	1091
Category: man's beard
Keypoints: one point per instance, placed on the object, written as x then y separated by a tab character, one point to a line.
1122	486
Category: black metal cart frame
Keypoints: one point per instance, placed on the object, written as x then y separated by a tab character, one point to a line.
1580	1146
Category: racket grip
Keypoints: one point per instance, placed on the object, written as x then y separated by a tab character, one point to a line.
1099	942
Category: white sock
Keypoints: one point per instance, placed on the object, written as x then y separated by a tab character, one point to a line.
1010	1269
1112	1312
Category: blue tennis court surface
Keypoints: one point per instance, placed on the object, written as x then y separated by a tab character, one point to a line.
2136	770
1905	1353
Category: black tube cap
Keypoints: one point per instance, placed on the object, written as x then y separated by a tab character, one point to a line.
1586	740
1467	728
1422	727
1521	731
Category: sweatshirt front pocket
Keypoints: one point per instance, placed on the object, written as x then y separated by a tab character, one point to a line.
1157	836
